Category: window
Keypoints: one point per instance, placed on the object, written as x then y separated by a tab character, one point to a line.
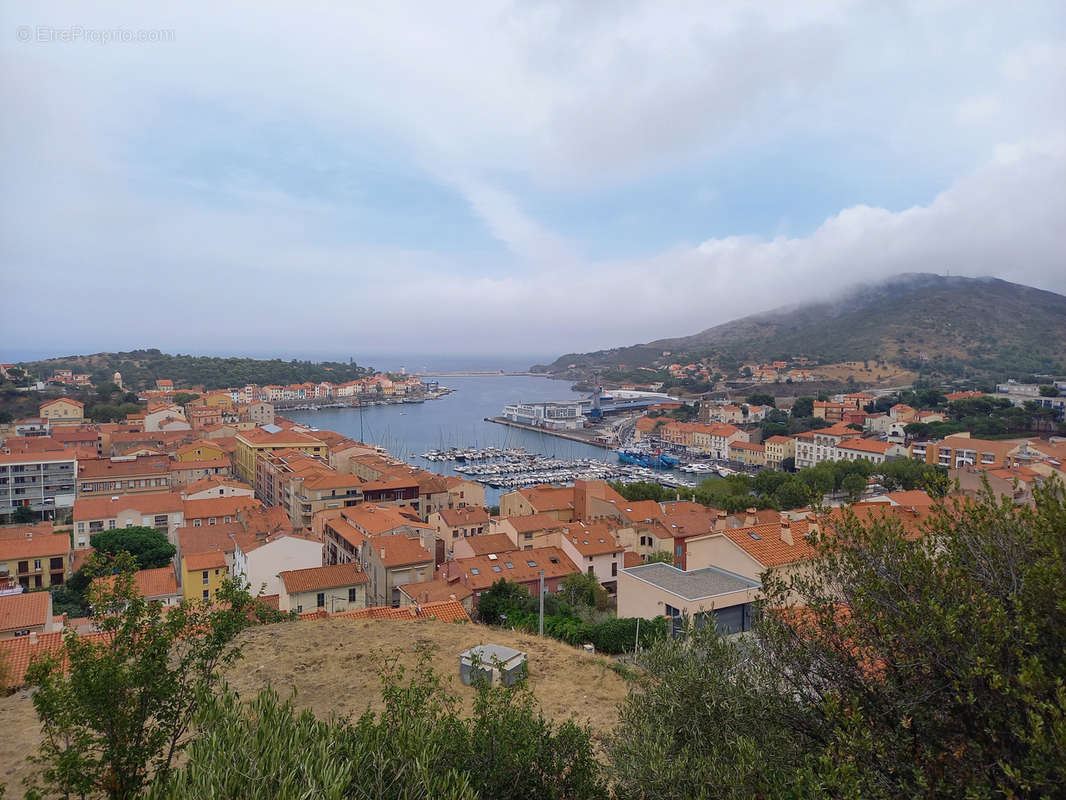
614	569
592	570
299	609
320	599
111	524
352	595
532	563
497	568
212	520
207	594
196	523
205	578
679	551
475	571
81	527
36	565
508	564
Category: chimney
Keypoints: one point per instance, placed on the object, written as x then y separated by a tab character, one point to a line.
786	532
382	553
33	637
720	521
750	518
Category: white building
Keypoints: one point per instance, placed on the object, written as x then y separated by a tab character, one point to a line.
564	416
258	561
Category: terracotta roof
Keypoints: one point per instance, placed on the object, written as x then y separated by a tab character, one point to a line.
86	508
531	523
110	468
217	507
778	440
207	538
396	549
480	572
865	445
913	497
631	559
197	562
592	539
471	515
764	543
315	578
24	531
490	543
24	610
442	611
549	498
41	545
156	582
373	520
282	437
213	482
209	463
755	448
77	403
435	590
639	510
36	458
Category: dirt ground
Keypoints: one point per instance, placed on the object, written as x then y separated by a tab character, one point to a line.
888	375
333	665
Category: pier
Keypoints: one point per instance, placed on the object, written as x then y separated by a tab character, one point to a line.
574	436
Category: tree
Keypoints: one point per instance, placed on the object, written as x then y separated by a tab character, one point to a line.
891	667
661	557
582	589
792	494
1048	391
788	464
116	710
854	484
23	515
149	547
803	407
182	398
502	596
761	399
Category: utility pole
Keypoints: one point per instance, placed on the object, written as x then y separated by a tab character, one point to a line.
636	639
541	626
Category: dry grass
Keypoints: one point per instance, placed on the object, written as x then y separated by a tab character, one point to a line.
888	375
333	666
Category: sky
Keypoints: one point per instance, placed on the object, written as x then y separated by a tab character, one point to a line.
508	178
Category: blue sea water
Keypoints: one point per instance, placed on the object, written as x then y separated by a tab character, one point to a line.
456	420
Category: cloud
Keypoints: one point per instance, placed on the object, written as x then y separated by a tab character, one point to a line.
144	204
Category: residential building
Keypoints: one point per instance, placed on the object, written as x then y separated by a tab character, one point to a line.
555	501
715	439
394	560
202	575
523	567
421	595
183	473
746	453
829	411
216	510
258	559
709	595
43	482
337	587
201	450
463	492
33	557
593	549
26	614
528	531
164	511
62	411
345	531
870	449
814	447
455	523
778	448
155	585
104	477
963	450
216	486
250	444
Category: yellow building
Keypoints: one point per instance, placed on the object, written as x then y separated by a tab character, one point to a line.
34	558
267	439
63	411
202	575
778	448
203	450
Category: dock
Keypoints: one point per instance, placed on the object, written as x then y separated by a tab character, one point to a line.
574	436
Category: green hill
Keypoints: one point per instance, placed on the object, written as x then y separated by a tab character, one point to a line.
951	327
141	368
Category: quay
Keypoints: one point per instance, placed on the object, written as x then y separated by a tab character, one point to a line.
574	436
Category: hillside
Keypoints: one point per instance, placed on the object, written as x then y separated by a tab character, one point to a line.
946	326
141	368
333	666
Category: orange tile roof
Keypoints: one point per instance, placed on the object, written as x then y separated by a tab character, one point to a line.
217	507
373	520
592	539
86	508
25	610
35	458
436	590
549	498
396	549
769	549
442	611
110	468
530	523
865	445
41	545
207	538
197	562
213	482
631	559
77	403
313	579
490	543
156	582
471	515
778	440
638	510
525	566
208	463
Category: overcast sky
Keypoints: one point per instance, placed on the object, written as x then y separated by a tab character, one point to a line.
524	178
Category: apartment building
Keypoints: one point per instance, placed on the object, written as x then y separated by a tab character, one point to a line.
252	443
33	557
164	511
778	448
104	477
338	587
43	482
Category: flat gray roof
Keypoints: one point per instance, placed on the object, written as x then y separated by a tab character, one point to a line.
694	584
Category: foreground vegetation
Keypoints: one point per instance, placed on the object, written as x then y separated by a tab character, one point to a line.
892	668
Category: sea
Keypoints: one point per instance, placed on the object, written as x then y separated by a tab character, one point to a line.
456	420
